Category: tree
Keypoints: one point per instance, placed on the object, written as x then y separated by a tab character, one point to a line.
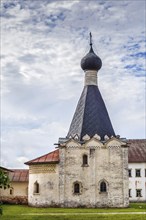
4	184
4	180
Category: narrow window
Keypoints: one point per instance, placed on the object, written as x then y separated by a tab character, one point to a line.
130	173
103	187
76	188
145	172
36	187
11	191
137	173
26	190
130	193
138	193
85	160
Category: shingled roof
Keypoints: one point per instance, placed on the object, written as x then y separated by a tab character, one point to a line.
19	175
91	116
52	157
137	151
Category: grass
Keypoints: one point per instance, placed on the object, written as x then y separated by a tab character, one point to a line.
21	212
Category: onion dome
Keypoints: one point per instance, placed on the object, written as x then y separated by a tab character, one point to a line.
91	61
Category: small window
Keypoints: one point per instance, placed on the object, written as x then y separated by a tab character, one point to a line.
138	173
130	173
11	191
138	193
77	188
130	193
85	160
145	172
103	187
36	187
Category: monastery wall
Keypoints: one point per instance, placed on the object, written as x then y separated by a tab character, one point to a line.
16	194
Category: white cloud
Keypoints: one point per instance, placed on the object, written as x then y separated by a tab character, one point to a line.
42	44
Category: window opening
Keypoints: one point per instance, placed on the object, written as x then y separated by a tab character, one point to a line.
137	173
130	173
138	193
76	188
103	187
85	159
36	187
11	191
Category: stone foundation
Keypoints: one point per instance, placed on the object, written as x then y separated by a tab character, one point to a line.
14	200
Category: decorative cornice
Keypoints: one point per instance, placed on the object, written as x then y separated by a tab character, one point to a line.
42	168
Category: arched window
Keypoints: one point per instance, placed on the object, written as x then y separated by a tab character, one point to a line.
103	187
36	187
76	188
85	159
11	191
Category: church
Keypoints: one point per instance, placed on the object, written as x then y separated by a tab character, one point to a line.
89	167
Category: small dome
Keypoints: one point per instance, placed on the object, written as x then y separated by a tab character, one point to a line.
91	61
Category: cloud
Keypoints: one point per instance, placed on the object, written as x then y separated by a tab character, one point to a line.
43	42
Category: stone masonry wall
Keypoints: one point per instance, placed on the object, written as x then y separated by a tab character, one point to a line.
108	162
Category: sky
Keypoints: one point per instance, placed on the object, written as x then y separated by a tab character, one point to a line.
42	44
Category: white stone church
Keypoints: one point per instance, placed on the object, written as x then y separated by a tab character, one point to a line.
89	168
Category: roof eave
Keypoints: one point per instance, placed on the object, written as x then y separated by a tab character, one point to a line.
34	163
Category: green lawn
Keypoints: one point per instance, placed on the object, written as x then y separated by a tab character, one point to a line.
16	212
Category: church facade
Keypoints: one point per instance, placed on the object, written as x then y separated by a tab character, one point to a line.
89	168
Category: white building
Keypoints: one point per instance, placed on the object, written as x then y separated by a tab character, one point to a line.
17	193
89	168
91	164
137	170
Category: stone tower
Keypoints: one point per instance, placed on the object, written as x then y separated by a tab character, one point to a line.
91	116
93	160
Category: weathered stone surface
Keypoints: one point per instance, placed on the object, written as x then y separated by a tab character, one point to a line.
48	179
107	162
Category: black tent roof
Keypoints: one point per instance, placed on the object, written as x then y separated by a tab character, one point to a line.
91	116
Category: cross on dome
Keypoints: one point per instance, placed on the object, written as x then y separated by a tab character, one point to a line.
91	61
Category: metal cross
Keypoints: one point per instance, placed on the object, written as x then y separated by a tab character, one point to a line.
90	39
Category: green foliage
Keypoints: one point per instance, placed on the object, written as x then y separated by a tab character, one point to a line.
1	210
4	180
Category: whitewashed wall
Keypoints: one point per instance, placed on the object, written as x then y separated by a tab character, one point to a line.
137	182
47	177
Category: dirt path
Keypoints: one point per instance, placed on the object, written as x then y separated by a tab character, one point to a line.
90	213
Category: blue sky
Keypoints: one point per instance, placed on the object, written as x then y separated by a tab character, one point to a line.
42	43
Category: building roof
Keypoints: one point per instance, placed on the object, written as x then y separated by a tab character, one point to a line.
91	116
5	169
136	153
137	150
52	157
19	175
